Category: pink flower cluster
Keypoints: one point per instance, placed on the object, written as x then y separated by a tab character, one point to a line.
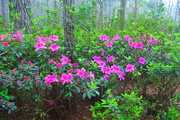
109	70
16	36
41	43
133	44
108	42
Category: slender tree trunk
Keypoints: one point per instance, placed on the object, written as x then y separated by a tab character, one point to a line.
23	7
4	10
122	13
135	10
110	11
68	23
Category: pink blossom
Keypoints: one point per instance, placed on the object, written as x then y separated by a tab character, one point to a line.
51	61
106	76
91	75
70	70
51	103
37	80
40	39
152	42
121	75
5	43
82	73
97	58
26	77
51	78
54	47
22	62
39	45
2	37
110	59
101	63
115	69
106	70
102	54
1	100
109	44
14	70
75	64
2	74
152	38
36	73
54	37
65	60
141	60
130	68
66	78
128	38
29	62
166	55
21	84
10	105
116	37
59	65
148	52
104	37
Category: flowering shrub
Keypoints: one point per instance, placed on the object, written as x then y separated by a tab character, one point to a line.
35	69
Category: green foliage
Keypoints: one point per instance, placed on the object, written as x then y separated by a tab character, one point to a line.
127	106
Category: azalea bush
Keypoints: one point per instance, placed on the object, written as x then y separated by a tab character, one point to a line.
117	62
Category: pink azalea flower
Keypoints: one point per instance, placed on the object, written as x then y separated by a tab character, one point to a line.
51	78
26	77
130	68
66	78
101	63
116	37
128	38
39	45
10	105
65	60
1	100
54	37
109	44
148	52
51	103
40	39
141	60
121	75
97	58
2	74
59	65
110	59
29	62
36	73
14	70
115	69
2	37
70	70
106	70
37	80
51	61
22	62
166	55
21	84
106	76
104	37
82	73
54	47
75	64
5	43
102	54
91	75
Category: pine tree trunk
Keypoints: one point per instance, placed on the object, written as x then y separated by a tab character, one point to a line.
122	13
135	10
68	23
22	7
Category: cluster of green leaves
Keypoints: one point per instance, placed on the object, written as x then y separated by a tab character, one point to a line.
126	106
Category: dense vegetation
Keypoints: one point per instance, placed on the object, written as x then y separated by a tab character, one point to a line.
127	74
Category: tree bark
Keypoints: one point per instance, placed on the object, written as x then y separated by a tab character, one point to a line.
68	23
110	11
135	10
23	7
3	10
122	13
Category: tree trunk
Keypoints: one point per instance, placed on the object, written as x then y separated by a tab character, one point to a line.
68	23
22	7
3	11
122	13
135	10
110	11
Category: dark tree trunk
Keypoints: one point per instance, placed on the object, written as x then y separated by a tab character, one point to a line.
3	10
122	13
135	10
22	7
68	23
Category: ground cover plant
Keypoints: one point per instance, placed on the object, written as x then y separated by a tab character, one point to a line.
122	74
